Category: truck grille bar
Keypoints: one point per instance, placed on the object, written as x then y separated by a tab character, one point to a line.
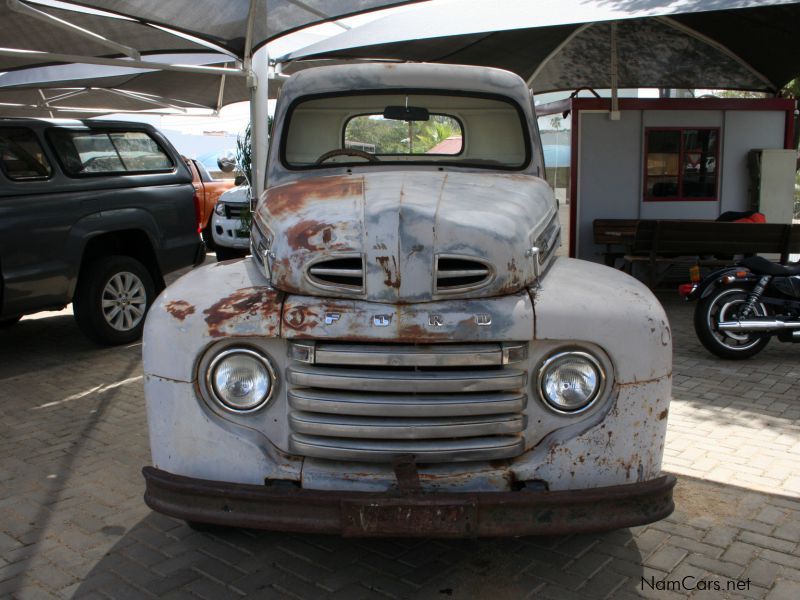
345	273
438	402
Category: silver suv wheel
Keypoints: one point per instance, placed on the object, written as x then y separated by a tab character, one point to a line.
124	301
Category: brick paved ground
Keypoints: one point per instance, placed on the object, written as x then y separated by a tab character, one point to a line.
72	521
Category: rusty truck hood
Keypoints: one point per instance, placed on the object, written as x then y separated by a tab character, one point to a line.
399	224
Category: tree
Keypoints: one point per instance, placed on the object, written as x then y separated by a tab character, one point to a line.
244	154
385	135
434	131
792	89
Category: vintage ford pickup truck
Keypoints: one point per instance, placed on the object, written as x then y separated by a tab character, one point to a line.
404	353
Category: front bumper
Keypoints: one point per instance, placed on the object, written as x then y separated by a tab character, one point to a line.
227	233
432	514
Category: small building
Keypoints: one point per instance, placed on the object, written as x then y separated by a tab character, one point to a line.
676	159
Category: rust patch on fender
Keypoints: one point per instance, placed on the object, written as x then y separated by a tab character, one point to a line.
290	198
244	302
391	271
663	414
180	309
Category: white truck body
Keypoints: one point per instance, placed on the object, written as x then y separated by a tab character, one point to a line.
433	367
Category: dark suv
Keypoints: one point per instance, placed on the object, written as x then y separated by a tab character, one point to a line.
93	213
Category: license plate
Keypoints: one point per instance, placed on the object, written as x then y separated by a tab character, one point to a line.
395	517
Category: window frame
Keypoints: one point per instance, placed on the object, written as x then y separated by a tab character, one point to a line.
525	127
681	165
108	132
453	117
48	159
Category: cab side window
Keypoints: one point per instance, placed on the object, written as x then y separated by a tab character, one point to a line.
21	155
108	152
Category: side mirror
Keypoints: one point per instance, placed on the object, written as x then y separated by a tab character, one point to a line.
226	164
240	180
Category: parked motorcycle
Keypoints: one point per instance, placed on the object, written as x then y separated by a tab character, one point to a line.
740	308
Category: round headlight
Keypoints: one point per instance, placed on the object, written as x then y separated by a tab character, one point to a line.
570	381
241	379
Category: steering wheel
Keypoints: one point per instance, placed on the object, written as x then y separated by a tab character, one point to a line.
347	152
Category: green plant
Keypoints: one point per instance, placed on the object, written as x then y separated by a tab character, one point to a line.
244	165
797	195
436	130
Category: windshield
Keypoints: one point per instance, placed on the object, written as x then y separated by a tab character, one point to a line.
379	128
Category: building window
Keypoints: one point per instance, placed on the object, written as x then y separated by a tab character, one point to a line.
681	164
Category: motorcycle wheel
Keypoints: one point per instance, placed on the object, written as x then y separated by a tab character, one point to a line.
724	304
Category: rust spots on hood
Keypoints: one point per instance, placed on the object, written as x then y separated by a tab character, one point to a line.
290	198
390	270
514	278
258	302
180	309
663	414
301	235
315	235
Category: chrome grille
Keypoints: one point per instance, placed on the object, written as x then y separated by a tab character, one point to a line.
234	211
343	273
371	402
458	274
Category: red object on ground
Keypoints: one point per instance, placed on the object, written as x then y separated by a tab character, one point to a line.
754	218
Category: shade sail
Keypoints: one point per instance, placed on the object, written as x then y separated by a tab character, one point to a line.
19	30
74	102
147	28
109	87
567	44
225	22
182	89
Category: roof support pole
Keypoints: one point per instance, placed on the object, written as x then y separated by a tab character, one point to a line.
259	120
257	68
614	114
29	11
221	93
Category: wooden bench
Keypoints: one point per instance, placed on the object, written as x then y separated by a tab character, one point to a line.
615	233
711	242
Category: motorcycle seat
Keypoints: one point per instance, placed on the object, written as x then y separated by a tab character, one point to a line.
761	266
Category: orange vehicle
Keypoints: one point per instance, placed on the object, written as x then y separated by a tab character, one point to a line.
208	191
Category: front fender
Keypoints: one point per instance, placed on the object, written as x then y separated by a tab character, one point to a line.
580	300
190	315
